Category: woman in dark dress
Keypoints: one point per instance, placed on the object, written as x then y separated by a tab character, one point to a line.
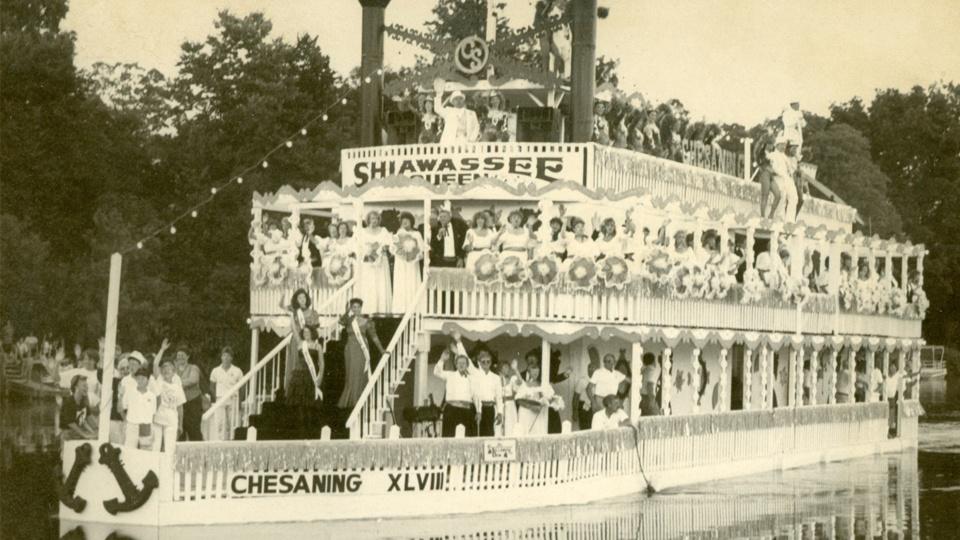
360	333
302	316
302	392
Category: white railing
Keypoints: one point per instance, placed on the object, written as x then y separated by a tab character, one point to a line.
266	300
264	379
366	419
445	300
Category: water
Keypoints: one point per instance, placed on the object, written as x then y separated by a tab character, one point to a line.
915	494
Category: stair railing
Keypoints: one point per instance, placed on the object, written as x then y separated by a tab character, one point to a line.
366	419
266	377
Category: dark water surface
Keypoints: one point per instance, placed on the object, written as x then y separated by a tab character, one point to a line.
914	494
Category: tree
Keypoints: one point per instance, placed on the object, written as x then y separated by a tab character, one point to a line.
842	156
26	276
456	19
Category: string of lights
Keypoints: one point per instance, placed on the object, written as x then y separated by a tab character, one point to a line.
237	179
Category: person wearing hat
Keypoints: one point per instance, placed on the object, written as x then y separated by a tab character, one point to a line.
498	124
460	124
793	123
140	406
783	168
601	128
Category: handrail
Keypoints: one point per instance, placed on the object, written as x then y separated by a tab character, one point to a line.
235	389
246	378
415	309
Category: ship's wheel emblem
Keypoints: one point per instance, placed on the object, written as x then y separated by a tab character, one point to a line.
471	55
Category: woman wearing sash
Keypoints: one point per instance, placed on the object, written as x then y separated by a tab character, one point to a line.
302	316
357	356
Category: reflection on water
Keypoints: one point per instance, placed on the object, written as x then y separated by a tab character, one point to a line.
908	495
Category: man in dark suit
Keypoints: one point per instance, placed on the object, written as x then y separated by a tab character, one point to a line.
446	242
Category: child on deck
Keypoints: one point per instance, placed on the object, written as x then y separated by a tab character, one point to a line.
141	406
169	415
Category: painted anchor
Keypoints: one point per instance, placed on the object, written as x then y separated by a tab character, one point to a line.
133	498
84	457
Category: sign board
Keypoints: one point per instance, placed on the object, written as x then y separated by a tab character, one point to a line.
500	450
520	163
286	483
471	55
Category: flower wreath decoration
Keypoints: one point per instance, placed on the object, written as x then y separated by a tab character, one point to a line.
659	267
752	287
259	272
513	272
544	271
372	252
338	269
485	268
277	275
614	272
679	281
408	247
582	273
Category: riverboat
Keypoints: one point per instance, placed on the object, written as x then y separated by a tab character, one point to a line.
755	359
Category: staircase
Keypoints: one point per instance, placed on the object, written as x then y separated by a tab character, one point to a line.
367	420
250	396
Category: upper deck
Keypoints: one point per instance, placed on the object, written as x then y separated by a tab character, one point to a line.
716	178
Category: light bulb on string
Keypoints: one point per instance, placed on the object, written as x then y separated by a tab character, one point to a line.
303	132
289	144
265	164
366	80
325	117
213	191
193	214
173	230
344	101
239	179
140	245
379	71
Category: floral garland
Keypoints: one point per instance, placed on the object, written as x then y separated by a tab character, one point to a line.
338	269
372	252
544	271
658	267
614	272
513	272
582	274
752	287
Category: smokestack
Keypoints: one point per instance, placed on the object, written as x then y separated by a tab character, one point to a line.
371	60
583	70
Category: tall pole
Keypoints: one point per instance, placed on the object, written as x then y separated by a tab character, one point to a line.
371	60
583	68
109	349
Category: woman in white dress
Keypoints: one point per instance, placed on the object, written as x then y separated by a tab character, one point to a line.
510	379
556	243
373	245
406	271
342	244
532	401
327	243
479	238
514	238
610	245
580	245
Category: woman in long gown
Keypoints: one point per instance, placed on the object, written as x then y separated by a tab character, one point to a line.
358	358
373	244
406	269
580	245
610	245
510	379
479	238
515	238
532	400
302	316
303	391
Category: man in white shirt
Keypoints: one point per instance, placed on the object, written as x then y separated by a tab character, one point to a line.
783	168
793	123
129	382
446	241
460	124
611	416
488	396
223	378
460	403
140	405
605	381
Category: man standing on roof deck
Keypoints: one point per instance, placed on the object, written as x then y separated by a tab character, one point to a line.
460	124
783	167
793	123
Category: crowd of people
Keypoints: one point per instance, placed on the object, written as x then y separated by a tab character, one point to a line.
157	398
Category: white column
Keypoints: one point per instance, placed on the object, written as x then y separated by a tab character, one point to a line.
747	377
254	358
764	376
696	379
792	375
636	369
832	384
109	348
666	382
800	355
748	250
544	363
427	203
885	359
870	361
723	379
747	159
814	370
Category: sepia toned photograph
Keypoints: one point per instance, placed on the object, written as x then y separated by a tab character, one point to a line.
479	269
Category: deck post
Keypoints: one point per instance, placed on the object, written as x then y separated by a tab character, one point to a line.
747	389
421	371
109	349
792	375
636	368
832	383
666	380
544	363
254	358
870	363
885	359
583	67
371	61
